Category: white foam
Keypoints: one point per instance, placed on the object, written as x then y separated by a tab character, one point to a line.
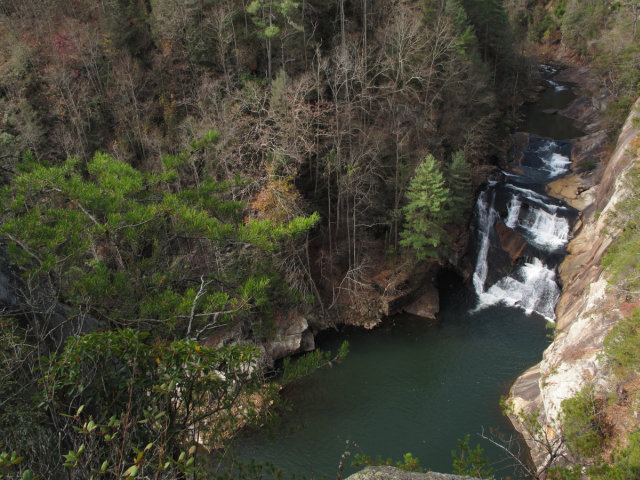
557	164
557	86
514	212
532	288
546	230
536	198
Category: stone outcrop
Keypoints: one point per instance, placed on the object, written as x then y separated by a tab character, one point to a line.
292	335
413	292
587	309
393	473
511	241
426	305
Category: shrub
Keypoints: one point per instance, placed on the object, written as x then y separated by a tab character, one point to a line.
622	344
583	423
622	258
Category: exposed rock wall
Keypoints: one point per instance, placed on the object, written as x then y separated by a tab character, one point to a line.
587	309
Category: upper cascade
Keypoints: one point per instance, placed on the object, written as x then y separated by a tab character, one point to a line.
523	277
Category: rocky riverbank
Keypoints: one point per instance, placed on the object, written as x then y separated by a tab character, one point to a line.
587	308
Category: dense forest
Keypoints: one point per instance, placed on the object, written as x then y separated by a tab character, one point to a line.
170	167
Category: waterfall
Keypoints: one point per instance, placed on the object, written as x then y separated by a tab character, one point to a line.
514	212
558	164
558	87
525	277
485	215
552	161
546	230
531	287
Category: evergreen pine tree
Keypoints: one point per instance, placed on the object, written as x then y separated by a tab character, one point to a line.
460	186
424	215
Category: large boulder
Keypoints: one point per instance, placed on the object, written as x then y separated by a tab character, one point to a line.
426	305
292	335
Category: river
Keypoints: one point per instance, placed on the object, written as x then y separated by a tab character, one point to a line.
414	386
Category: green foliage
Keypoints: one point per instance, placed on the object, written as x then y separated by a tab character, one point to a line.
560	8
616	114
625	465
263	14
310	362
583	424
107	236
468	42
409	463
470	462
588	164
22	427
544	22
424	215
121	390
622	259
9	461
459	182
622	345
583	21
435	202
491	25
126	25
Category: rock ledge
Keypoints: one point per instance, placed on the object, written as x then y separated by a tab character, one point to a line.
393	473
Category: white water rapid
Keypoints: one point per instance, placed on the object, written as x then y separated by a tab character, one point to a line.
531	287
529	282
546	230
514	212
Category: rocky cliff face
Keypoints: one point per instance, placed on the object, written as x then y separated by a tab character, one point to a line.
587	309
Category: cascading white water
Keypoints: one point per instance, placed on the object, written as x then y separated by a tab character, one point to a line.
558	87
542	221
553	162
486	216
531	287
513	212
557	164
528	272
537	198
546	230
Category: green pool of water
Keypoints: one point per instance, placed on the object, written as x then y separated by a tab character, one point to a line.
407	386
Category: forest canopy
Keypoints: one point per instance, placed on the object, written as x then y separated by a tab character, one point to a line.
171	167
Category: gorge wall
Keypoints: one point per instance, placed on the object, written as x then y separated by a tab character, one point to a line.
588	307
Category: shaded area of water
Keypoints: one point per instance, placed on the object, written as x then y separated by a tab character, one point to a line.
541	118
406	387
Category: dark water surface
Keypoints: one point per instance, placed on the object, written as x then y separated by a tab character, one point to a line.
541	118
406	387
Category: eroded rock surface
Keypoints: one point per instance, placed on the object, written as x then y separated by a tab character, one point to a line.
511	241
292	335
427	305
393	473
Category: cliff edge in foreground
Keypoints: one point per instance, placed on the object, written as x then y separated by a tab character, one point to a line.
393	473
